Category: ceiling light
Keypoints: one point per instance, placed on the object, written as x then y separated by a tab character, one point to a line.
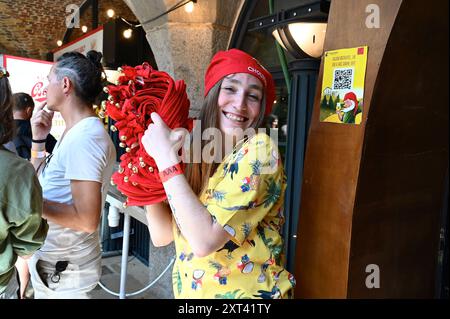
189	7
110	13
127	33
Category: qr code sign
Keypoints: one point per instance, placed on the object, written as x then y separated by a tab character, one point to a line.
343	79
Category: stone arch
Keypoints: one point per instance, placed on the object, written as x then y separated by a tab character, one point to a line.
184	43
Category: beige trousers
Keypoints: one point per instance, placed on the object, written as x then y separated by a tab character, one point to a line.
75	282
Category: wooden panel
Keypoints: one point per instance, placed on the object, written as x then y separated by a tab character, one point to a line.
333	159
396	218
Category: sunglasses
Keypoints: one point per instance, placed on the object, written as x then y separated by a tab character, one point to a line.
45	163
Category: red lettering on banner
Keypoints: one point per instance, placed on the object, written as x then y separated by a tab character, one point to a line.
38	92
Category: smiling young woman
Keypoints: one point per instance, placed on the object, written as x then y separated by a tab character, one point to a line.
239	102
224	217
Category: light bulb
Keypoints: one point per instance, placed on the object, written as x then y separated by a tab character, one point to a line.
59	43
189	7
110	13
84	29
127	33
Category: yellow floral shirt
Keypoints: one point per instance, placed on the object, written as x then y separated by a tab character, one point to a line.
245	195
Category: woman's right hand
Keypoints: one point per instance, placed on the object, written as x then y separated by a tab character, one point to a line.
163	143
41	122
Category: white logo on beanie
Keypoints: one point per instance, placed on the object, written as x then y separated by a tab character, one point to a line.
251	69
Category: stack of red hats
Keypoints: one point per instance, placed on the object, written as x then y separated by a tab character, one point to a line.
139	92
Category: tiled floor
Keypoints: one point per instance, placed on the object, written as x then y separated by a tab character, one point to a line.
138	277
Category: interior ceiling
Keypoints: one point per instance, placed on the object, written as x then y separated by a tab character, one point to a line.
30	28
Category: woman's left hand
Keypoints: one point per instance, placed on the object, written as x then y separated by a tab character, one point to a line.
162	143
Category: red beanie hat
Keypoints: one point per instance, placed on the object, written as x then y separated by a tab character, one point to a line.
236	61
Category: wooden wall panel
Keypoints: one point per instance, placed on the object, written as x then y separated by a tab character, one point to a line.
372	193
332	160
396	218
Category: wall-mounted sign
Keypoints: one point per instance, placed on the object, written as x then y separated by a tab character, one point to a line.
342	91
30	76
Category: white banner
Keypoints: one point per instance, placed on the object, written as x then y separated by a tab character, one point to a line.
30	76
91	41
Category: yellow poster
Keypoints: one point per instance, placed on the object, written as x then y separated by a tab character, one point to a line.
342	91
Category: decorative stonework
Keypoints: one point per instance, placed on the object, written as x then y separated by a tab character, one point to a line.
184	43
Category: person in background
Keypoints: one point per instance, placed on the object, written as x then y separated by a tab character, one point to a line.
22	229
75	179
23	106
9	145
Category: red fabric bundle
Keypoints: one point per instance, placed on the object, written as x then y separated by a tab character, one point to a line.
139	92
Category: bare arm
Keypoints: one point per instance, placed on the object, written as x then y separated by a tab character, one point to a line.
204	235
24	274
83	214
37	162
159	221
193	219
41	123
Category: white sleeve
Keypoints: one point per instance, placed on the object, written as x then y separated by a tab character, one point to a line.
86	159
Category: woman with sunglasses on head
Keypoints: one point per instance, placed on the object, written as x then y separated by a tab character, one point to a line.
22	230
224	216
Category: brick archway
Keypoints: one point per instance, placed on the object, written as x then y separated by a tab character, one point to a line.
183	43
30	30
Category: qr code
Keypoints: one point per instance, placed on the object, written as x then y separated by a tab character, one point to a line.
343	79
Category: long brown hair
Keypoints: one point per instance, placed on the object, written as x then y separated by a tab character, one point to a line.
7	128
198	174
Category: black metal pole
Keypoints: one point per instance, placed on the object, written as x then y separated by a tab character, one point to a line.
304	77
94	6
